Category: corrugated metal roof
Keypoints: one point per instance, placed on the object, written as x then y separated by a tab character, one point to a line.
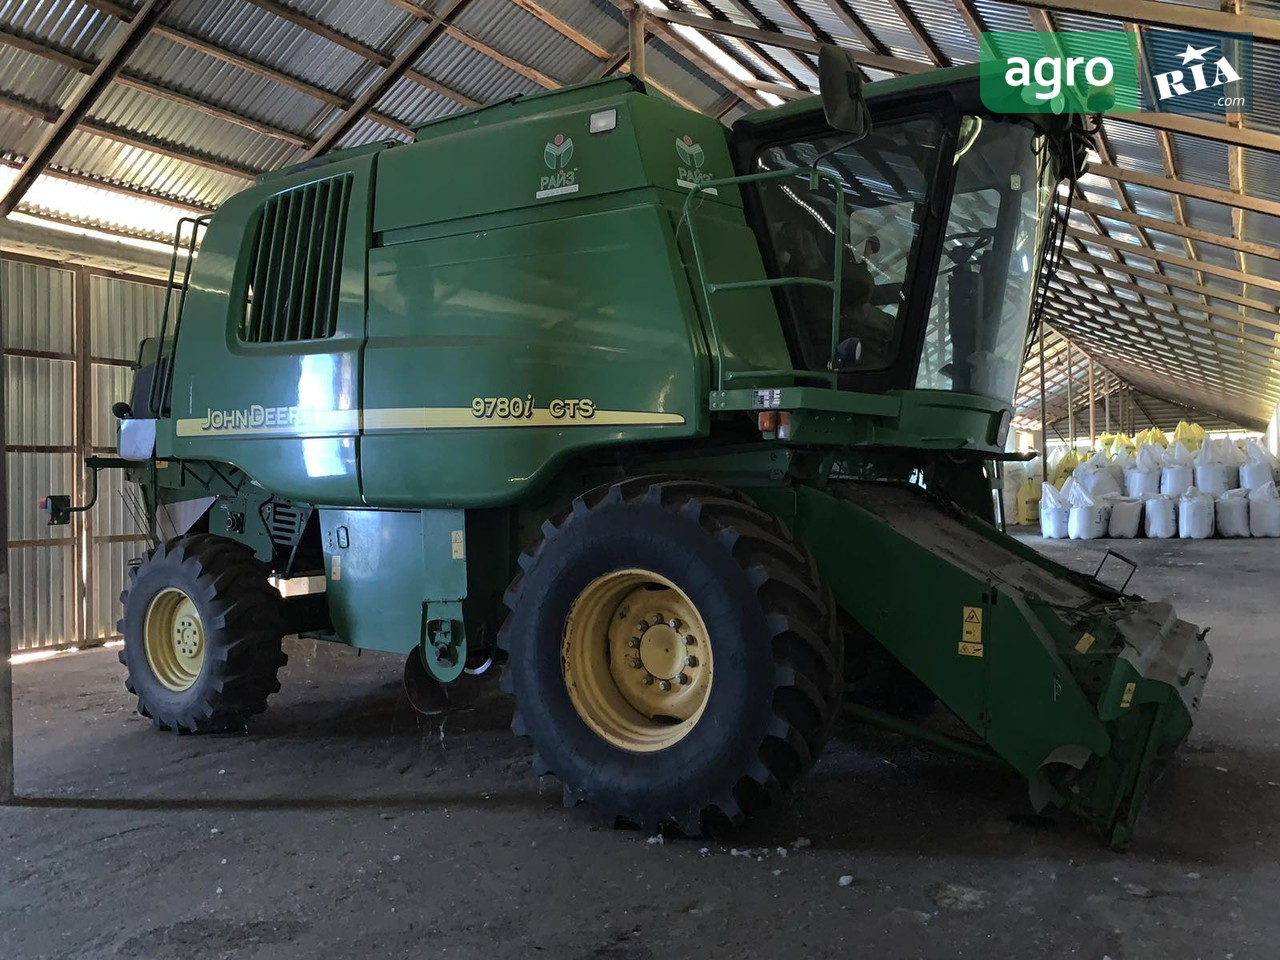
72	27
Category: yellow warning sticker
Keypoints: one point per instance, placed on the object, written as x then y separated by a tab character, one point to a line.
971	632
459	545
1085	643
1127	699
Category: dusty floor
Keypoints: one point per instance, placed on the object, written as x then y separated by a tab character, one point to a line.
340	825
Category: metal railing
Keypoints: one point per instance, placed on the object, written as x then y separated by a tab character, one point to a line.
709	289
162	382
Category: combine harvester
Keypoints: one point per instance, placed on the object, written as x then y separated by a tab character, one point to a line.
688	428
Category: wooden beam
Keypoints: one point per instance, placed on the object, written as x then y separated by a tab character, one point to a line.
393	72
1160	14
921	35
124	43
512	64
1169	185
685	48
137	193
1200	127
146	86
1120	267
247	64
563	28
1187	263
110	132
782	40
1177	230
1178	303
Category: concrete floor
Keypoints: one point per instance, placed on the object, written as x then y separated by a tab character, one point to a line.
342	825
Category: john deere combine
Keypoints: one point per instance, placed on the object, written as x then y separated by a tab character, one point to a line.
686	427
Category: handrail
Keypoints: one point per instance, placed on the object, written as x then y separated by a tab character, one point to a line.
162	382
709	288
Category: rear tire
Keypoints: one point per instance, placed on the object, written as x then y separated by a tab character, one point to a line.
757	702
202	629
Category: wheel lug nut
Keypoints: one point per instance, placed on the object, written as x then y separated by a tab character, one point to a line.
642	626
682	679
664	685
690	661
673	623
634	664
688	640
648	680
634	643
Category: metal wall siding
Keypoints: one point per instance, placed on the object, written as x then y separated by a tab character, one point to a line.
112	517
36	307
39	395
108	576
107	385
42	597
31	476
122	314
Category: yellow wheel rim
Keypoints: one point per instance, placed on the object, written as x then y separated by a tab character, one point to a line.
174	639
636	657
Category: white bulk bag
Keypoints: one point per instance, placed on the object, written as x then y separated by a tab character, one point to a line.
1087	519
1264	511
1053	513
1161	514
1126	517
1195	515
1258	468
1143	478
1178	474
1232	511
1095	476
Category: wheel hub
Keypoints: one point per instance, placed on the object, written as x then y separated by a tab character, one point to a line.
174	639
661	652
637	660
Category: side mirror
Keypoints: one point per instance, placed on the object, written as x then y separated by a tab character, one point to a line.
840	80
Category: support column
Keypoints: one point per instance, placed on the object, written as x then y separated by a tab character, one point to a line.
635	41
1093	425
1044	417
6	644
1071	406
1106	401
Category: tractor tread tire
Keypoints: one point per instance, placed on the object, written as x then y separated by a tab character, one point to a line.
799	620
243	626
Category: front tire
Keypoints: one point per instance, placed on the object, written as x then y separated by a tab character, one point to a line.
202	628
642	584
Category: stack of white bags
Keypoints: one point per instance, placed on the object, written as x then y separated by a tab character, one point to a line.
1178	493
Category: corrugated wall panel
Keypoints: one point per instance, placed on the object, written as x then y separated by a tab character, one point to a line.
122	314
31	476
39	400
37	308
36	305
42	597
108	566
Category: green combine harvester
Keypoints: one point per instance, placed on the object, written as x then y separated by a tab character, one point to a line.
692	430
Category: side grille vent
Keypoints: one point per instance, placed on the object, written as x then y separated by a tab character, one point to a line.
296	264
